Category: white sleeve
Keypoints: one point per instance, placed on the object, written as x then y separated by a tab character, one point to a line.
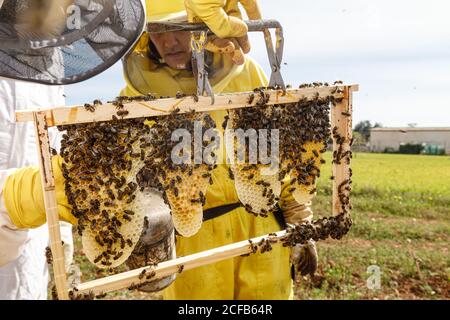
12	240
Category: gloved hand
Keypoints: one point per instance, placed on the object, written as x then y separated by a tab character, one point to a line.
24	200
224	19
304	257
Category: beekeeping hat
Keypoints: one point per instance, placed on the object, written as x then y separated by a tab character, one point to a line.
166	11
66	41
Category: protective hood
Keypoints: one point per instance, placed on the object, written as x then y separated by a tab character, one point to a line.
144	76
66	41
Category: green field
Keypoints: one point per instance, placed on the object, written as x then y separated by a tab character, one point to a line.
401	213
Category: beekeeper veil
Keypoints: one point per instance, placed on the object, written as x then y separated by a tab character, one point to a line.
66	41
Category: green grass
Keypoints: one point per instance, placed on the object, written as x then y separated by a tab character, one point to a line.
401	213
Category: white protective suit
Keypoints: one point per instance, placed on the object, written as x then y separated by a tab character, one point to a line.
23	267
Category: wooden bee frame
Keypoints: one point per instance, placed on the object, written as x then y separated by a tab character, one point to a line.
341	124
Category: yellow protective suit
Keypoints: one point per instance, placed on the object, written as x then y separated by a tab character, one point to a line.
258	276
24	199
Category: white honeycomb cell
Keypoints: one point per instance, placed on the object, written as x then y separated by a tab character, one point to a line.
187	215
258	188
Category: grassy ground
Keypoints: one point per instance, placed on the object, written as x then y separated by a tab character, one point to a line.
401	211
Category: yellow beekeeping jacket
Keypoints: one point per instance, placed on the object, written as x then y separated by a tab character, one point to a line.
258	276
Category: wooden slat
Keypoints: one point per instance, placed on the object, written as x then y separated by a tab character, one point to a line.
51	207
341	120
78	114
164	269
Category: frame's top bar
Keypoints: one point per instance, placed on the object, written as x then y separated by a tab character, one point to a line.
138	109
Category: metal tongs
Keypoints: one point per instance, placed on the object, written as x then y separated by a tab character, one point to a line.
200	32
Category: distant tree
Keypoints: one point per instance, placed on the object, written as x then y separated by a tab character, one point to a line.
358	139
363	127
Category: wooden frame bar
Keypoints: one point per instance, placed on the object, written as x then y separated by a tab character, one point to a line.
51	206
167	268
341	124
78	114
137	109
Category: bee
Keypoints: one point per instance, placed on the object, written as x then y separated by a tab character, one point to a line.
98	258
313	191
152	274
195	97
131	199
180	268
109	204
122	113
129	212
224	124
347	114
100	242
89	107
48	255
53	151
175	191
251	176
251	98
126	217
141	275
253	246
292	189
338	82
129	242
111	194
97	102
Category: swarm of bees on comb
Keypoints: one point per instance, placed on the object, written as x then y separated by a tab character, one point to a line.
101	162
109	166
304	131
257	185
183	184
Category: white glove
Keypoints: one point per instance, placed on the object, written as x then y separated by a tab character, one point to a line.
304	258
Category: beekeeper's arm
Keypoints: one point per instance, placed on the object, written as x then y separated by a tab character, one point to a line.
23	196
224	19
22	207
12	240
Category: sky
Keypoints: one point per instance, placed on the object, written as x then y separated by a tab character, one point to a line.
397	51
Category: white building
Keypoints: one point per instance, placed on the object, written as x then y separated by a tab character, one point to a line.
382	138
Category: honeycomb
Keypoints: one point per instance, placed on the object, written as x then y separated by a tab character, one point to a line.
183	184
101	162
257	187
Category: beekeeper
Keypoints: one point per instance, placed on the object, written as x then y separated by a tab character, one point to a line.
160	63
51	42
